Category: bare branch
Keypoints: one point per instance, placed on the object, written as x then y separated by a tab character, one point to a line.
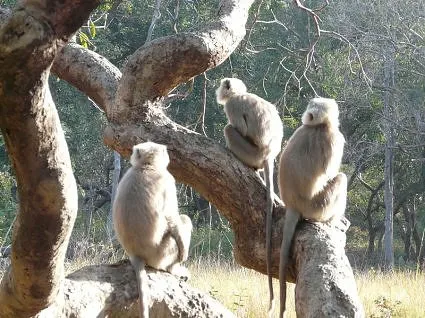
341	37
311	13
274	21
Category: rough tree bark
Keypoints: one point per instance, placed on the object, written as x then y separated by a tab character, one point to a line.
320	264
29	41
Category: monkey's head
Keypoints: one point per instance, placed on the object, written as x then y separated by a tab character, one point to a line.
149	153
228	88
321	111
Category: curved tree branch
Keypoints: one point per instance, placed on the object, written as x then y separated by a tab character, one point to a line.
88	71
162	64
29	39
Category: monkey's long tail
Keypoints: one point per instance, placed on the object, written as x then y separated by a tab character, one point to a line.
268	174
142	284
291	220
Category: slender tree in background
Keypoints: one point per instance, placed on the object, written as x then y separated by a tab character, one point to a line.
389	70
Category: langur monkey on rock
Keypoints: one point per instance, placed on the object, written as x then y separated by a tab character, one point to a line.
146	218
309	180
254	134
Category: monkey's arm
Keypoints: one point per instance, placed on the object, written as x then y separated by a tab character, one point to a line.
236	116
243	148
328	199
175	231
171	213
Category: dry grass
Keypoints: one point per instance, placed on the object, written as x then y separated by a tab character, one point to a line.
396	294
245	292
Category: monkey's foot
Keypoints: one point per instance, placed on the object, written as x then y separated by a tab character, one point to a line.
180	271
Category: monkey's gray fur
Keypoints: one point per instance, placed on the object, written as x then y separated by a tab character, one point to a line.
146	218
309	180
254	134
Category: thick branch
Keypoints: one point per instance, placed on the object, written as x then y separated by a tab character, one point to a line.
65	16
89	72
111	291
160	65
157	67
325	281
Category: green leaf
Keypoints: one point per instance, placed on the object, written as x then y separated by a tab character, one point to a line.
92	29
84	39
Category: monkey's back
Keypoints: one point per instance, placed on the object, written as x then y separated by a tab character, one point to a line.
144	199
260	117
311	157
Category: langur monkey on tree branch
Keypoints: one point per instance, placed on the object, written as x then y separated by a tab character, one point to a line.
254	134
310	183
146	218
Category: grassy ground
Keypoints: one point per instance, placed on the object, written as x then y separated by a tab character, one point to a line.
397	294
245	292
400	294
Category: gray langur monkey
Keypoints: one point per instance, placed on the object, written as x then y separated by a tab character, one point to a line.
310	183
254	134
146	218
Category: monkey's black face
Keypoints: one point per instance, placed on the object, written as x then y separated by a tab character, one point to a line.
310	116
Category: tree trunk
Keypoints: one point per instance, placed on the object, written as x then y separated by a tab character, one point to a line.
48	193
37	149
389	157
324	272
407	234
371	244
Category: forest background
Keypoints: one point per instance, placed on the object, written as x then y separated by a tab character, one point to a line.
368	55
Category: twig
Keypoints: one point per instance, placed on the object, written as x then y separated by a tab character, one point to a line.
344	39
251	27
204	103
155	17
312	13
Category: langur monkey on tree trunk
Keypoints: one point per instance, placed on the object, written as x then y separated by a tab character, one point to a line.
309	180
254	134
146	218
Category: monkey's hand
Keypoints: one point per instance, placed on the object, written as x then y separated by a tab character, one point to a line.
179	271
183	252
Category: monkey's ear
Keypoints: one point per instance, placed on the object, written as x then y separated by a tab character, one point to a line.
138	154
226	84
310	116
